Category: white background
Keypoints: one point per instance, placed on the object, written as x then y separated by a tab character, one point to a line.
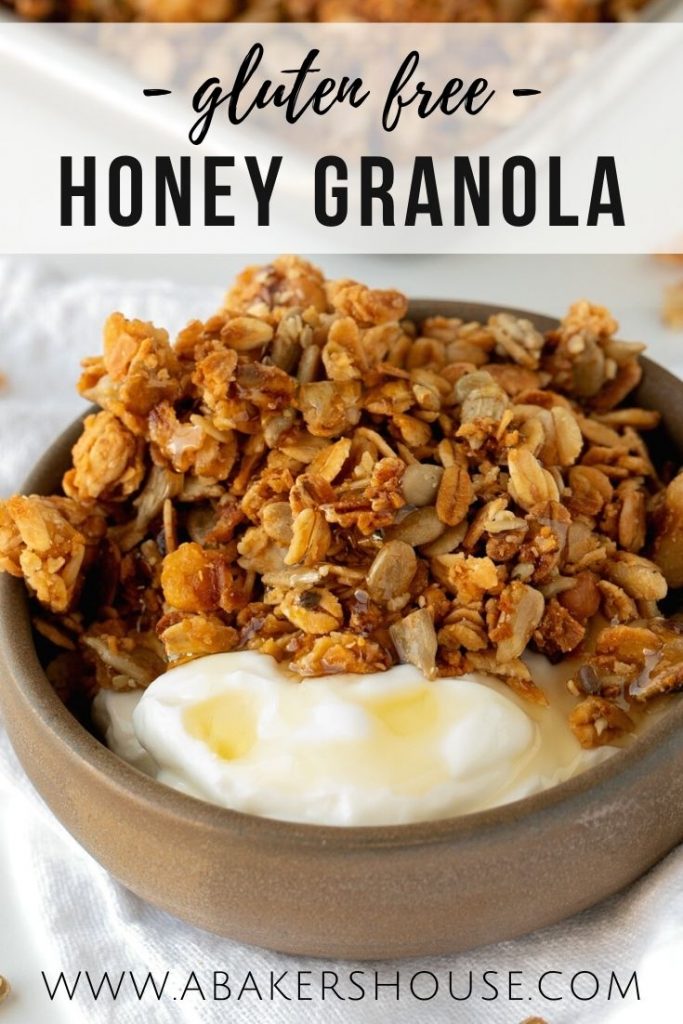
619	94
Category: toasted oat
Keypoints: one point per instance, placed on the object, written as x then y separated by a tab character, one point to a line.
514	673
455	495
530	483
639	577
314	610
518	339
196	635
519	610
311	538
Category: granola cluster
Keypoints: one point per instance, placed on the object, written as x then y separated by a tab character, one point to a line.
311	474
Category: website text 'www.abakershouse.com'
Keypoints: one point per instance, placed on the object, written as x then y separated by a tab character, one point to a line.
327	985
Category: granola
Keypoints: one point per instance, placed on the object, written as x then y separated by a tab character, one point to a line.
328	10
312	475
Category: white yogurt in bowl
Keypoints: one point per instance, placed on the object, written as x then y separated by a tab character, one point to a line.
238	730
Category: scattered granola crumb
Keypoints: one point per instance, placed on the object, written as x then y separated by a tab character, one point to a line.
5	988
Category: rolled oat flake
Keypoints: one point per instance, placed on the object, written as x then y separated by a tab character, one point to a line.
4	988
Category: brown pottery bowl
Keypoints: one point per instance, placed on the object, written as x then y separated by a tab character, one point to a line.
370	892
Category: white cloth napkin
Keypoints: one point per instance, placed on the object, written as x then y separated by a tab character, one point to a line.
83	920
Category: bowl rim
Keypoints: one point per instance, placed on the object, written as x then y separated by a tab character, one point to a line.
19	658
